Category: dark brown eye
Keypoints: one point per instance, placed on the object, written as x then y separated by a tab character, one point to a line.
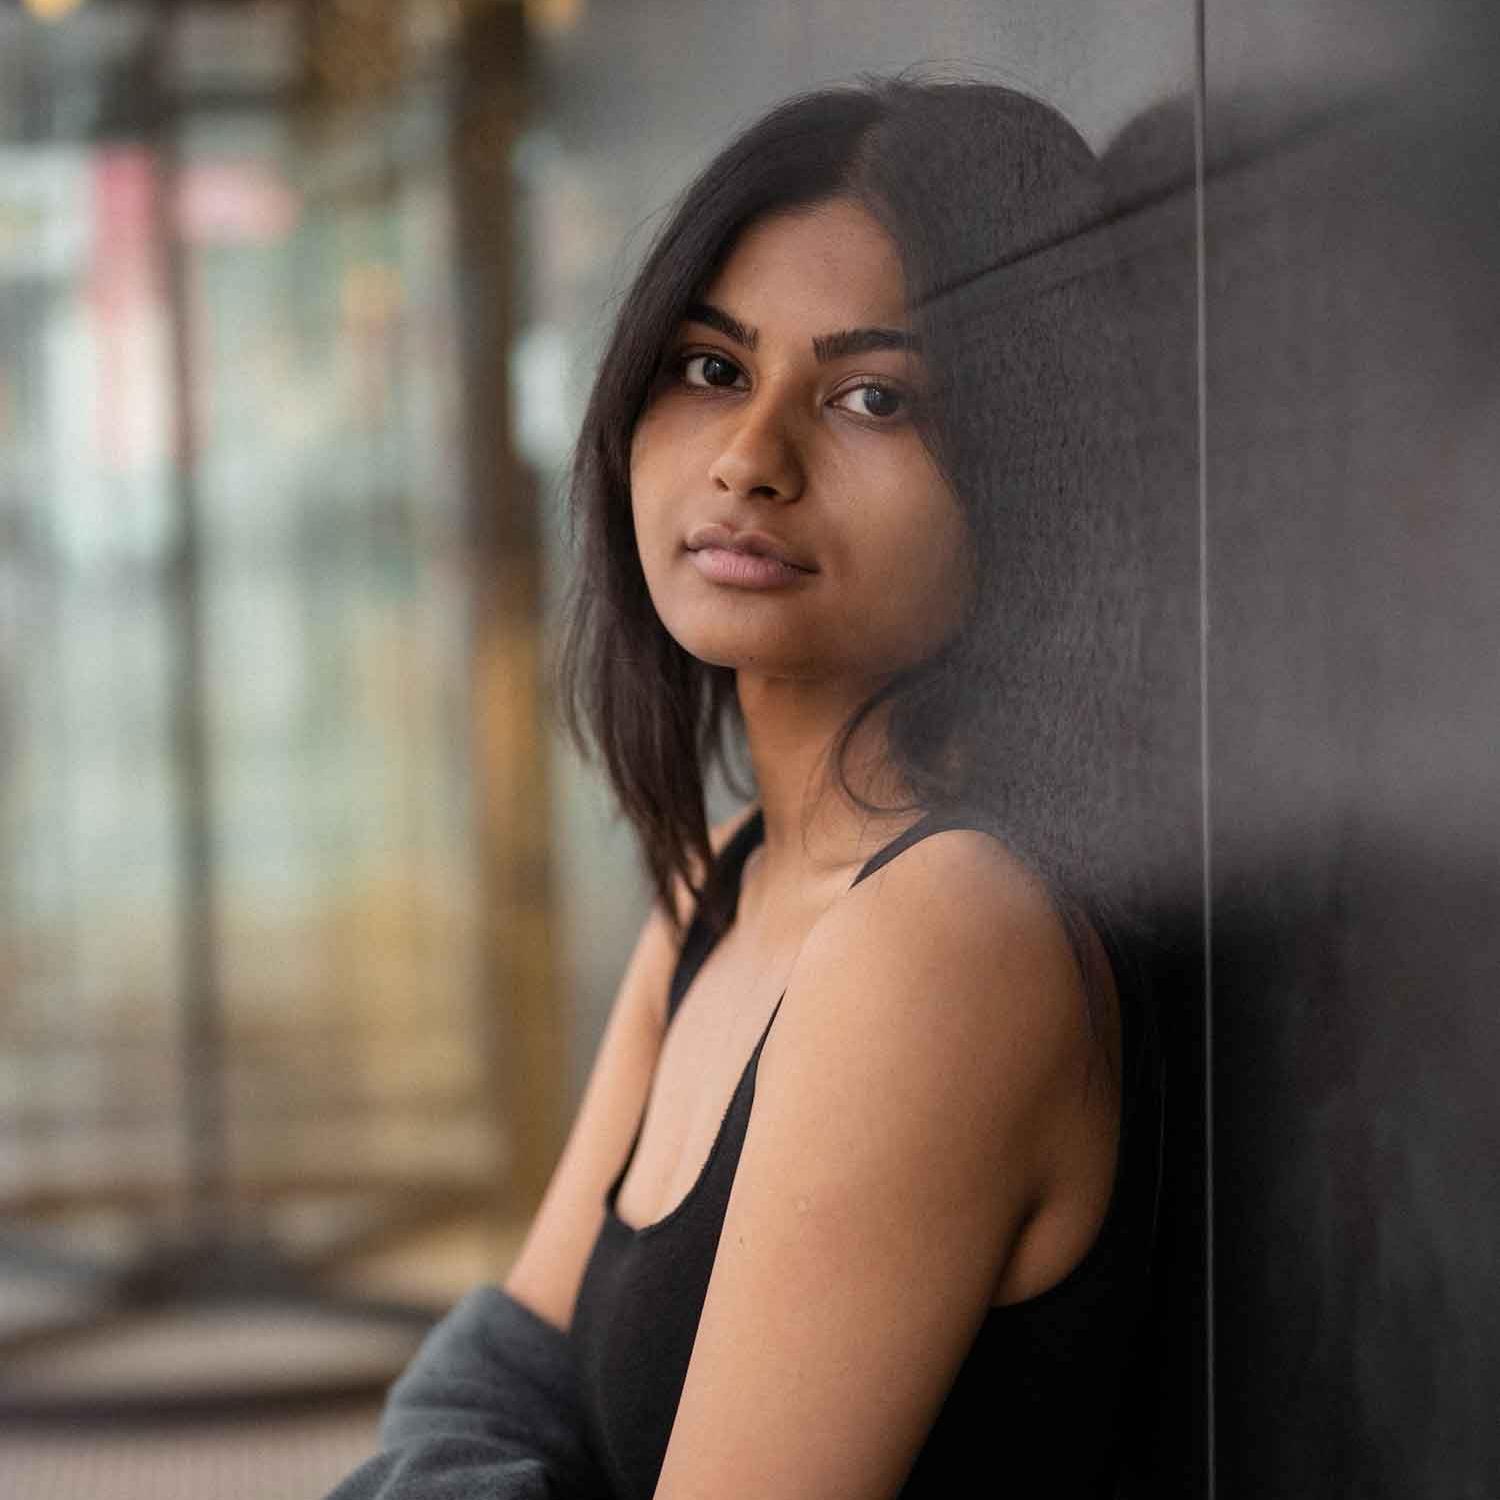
883	402
711	370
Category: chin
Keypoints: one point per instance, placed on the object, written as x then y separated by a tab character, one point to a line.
721	645
722	636
777	658
740	656
718	634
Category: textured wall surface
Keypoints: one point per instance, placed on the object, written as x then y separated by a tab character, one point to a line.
1353	425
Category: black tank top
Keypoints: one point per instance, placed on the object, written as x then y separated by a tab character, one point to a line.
1038	1399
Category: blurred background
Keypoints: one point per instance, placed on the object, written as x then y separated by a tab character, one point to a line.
309	919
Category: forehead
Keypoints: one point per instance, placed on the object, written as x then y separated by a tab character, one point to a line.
813	270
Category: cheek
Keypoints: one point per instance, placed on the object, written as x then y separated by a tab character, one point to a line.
643	489
656	520
916	572
650	478
947	570
931	538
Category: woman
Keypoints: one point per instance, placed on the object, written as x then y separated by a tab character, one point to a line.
859	1198
839	490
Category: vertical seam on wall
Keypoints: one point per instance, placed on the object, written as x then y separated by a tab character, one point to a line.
1200	111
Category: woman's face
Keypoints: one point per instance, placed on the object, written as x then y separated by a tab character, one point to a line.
790	519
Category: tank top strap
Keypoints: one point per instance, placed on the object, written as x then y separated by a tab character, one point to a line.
928	824
699	940
729	866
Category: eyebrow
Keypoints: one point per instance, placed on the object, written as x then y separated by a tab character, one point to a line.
731	328
826	347
862	341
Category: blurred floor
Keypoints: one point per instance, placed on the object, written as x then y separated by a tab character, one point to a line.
286	1455
261	1459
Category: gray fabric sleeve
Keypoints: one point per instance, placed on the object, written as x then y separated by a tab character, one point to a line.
488	1409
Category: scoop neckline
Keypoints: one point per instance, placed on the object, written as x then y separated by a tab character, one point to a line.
715	1151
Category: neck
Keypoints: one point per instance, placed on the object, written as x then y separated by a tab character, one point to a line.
814	832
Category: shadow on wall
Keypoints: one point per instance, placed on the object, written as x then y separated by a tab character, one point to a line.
1353	432
1354	435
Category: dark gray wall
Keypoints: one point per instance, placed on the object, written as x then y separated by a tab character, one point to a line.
1353	438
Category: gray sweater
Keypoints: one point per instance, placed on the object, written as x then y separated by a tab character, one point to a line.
488	1409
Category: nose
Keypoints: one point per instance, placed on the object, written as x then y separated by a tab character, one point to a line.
757	456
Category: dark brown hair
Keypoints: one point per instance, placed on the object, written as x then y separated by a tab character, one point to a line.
994	203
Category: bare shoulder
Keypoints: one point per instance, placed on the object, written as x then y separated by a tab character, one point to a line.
953	958
958	905
959	868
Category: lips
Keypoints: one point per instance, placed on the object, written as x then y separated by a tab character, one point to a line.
750	543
